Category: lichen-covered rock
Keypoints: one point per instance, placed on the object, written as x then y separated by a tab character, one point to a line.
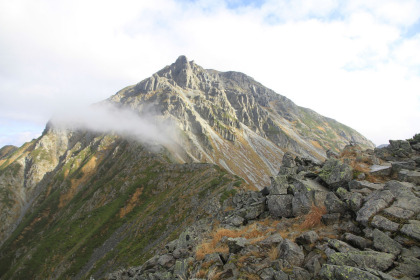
363	259
236	244
408	266
291	252
398	165
308	237
384	224
376	202
302	202
399	213
280	205
340	246
343	272
234	220
355	201
273	239
412	229
380	170
384	243
336	174
334	204
409	176
166	261
279	185
357	241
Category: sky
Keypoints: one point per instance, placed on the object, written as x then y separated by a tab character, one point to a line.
354	61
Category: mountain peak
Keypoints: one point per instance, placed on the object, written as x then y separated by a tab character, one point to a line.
181	61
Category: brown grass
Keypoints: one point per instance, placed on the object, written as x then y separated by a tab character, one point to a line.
201	273
273	253
207	248
241	262
213	244
313	218
131	203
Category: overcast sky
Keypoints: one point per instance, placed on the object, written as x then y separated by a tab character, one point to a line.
355	61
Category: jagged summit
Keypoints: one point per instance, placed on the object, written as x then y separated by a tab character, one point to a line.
230	119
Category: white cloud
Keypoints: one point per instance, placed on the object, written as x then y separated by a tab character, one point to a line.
108	118
348	60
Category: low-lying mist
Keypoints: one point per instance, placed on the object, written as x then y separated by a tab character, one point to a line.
144	126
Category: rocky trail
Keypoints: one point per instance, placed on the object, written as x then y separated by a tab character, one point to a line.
355	216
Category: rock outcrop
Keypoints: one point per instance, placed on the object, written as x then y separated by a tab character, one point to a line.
374	233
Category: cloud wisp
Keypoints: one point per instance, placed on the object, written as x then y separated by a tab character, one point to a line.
144	127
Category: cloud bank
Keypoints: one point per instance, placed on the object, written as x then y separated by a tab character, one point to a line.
108	118
355	61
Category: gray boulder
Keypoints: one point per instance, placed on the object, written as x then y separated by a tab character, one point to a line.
234	220
380	170
291	252
307	238
399	165
299	273
412	229
359	185
288	160
302	202
404	196
273	239
236	244
279	184
409	176
343	272
357	241
384	224
166	261
336	174
376	202
384	243
340	246
363	259
334	204
399	213
288	166
408	266
313	262
280	205
400	148
355	201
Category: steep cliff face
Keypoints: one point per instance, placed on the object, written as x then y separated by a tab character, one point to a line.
97	200
229	119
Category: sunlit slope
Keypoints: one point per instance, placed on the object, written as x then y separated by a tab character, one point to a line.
109	201
229	119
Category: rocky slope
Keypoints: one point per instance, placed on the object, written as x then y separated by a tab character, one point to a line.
356	216
99	200
229	119
107	201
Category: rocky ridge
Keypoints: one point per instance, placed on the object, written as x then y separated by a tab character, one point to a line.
341	219
229	119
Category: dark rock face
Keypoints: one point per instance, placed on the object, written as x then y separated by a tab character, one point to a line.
336	174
